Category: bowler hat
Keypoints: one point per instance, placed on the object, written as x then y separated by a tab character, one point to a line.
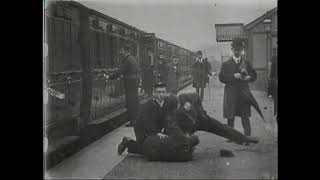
237	43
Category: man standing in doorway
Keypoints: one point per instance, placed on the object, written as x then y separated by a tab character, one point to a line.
201	70
236	79
129	70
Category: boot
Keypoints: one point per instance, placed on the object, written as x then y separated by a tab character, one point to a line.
123	145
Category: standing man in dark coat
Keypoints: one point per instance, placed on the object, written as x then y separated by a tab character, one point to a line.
129	70
236	80
173	74
201	70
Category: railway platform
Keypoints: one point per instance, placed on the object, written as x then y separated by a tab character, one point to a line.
99	160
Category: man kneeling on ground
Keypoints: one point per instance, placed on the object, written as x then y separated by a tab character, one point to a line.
152	123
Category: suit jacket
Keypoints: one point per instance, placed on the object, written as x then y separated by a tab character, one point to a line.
150	118
233	103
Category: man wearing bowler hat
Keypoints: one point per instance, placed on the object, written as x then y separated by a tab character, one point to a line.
236	80
201	69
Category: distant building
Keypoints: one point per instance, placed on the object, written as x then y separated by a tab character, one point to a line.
260	37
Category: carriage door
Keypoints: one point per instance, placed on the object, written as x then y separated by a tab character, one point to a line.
63	74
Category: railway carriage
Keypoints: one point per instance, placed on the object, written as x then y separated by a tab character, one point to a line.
83	47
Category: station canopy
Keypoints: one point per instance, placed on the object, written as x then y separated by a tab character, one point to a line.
226	32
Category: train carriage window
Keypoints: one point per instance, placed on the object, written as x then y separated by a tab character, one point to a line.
76	60
114	51
101	59
97	49
59	63
102	49
51	44
68	46
108	50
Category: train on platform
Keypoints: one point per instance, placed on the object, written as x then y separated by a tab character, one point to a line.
83	46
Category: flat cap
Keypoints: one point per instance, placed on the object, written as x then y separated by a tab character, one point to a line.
159	84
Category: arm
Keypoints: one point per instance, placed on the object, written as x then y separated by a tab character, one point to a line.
225	77
251	72
209	69
123	68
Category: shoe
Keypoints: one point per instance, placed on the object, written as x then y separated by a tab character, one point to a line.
229	141
193	149
123	145
129	125
226	153
251	139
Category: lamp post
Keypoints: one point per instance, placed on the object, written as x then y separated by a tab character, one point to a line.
267	29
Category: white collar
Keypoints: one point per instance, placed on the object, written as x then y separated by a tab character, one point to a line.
237	60
160	103
127	55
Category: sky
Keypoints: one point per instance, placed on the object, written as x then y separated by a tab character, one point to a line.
187	23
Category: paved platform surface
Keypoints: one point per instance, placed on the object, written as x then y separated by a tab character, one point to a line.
260	161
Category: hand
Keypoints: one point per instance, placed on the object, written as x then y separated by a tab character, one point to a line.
162	136
244	71
237	75
106	76
187	135
246	78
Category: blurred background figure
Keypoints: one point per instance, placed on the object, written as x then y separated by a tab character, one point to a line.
274	78
174	74
201	69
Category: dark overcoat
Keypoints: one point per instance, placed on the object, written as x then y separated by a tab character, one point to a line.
172	148
200	72
149	121
176	147
233	103
151	118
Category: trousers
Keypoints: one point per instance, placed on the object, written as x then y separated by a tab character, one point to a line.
245	124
